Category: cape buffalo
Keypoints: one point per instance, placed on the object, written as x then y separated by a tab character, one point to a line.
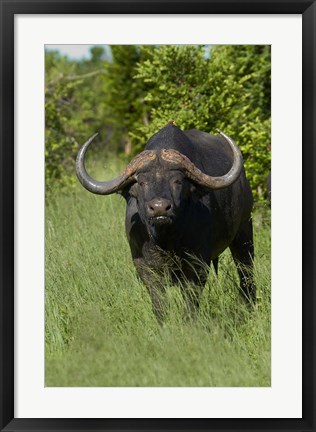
187	200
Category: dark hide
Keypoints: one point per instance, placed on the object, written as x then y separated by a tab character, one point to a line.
176	226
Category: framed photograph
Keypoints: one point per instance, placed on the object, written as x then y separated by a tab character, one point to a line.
135	312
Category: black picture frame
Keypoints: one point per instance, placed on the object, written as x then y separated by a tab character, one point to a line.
8	9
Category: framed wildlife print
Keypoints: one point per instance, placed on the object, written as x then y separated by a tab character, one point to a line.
151	278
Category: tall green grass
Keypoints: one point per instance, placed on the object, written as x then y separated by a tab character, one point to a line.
100	328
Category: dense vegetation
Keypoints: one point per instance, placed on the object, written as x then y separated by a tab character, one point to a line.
130	92
99	328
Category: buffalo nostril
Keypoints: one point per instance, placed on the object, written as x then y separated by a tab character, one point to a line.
159	207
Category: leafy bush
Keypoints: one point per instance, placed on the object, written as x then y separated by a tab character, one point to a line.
134	92
75	107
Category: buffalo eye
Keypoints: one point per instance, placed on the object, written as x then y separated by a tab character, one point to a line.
142	182
177	181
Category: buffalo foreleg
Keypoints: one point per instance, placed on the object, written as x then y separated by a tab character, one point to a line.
242	250
155	287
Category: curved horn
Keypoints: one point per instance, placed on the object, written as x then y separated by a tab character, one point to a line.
116	184
201	178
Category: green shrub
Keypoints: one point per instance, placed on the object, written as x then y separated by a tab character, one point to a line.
131	95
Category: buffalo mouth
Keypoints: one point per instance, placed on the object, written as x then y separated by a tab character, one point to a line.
160	220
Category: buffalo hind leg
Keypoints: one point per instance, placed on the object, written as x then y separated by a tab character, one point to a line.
242	250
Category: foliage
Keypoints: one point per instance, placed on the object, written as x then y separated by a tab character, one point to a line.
126	95
74	110
136	90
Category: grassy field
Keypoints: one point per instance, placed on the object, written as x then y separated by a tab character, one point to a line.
99	326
